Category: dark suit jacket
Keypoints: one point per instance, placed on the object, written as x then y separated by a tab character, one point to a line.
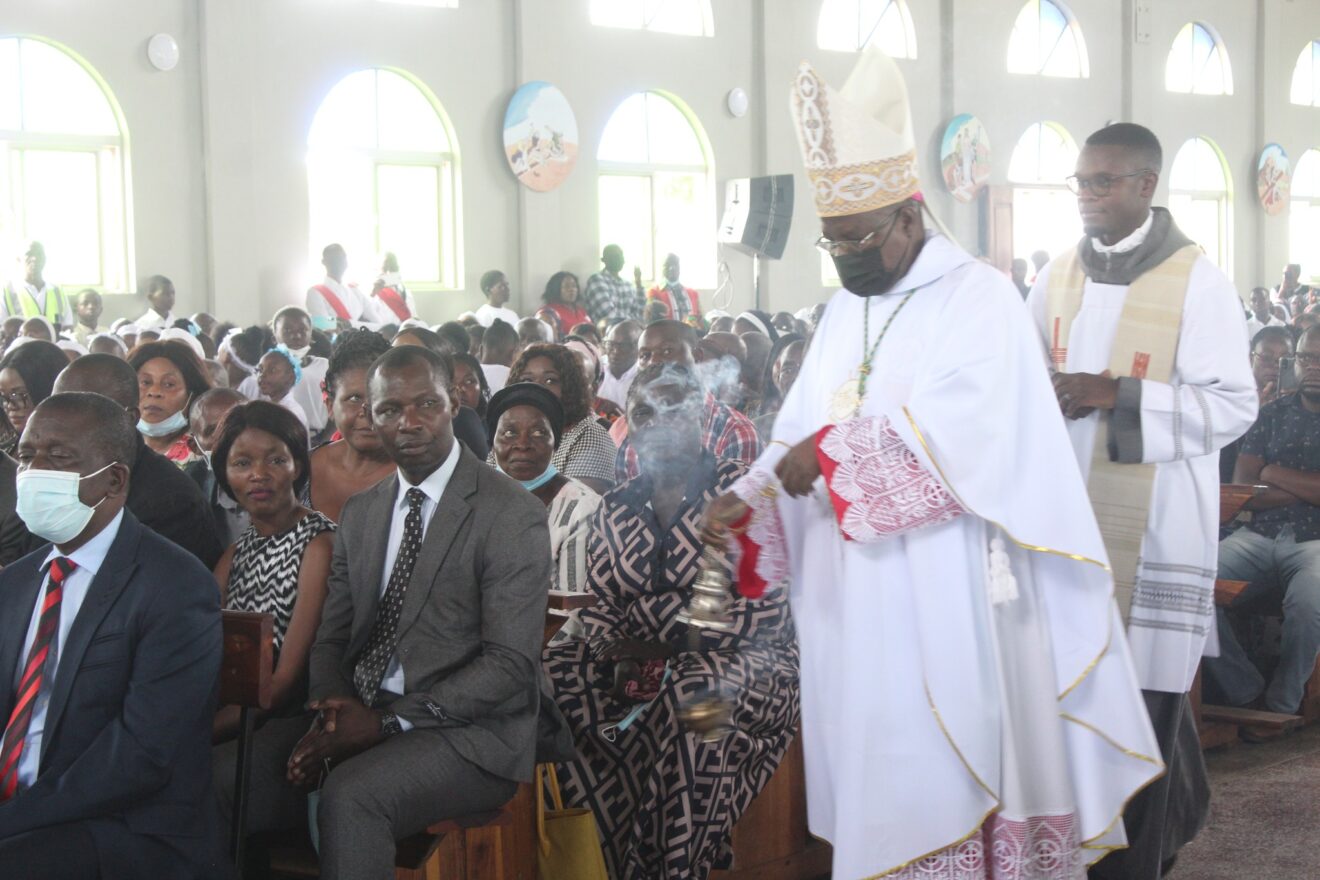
127	742
167	501
469	636
15	539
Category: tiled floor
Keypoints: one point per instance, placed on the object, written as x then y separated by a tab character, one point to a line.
1264	814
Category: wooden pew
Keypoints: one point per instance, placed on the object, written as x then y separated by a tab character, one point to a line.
1220	725
245	673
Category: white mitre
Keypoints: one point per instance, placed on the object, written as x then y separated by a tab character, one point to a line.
857	143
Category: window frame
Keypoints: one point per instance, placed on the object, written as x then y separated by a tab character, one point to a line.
112	159
704	8
904	17
1223	198
652	172
1217	48
1037	184
1071	26
1311	49
448	167
1304	201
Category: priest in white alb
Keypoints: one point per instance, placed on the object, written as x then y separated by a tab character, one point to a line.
1149	356
969	706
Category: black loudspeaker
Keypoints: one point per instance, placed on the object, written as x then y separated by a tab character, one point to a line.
758	212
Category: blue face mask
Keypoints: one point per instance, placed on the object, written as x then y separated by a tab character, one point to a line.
531	485
172	425
49	505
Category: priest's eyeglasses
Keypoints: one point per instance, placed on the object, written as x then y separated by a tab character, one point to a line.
842	248
1100	184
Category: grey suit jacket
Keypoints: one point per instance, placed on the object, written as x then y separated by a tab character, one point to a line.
469	636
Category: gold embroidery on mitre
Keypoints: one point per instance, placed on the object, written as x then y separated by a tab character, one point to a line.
855	189
813	118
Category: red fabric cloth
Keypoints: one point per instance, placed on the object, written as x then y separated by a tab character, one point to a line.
662	294
395	301
569	315
332	299
750	584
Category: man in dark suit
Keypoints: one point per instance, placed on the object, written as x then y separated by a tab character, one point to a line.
15	539
160	495
426	667
110	651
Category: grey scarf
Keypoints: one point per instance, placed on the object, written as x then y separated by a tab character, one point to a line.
1163	239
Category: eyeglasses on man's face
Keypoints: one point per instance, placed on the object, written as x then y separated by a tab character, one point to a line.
1100	184
840	248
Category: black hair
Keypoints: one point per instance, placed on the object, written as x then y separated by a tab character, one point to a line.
103	374
428	338
112	433
406	355
321	346
575	392
685	331
552	287
157	282
1273	333
489	278
1136	138
252	343
196	378
456	335
354	350
500	334
261	415
38	362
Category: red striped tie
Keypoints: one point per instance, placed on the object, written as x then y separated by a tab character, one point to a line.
29	686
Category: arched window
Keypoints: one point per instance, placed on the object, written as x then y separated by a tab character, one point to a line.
691	17
1198	62
1047	41
849	25
1304	213
1306	77
1198	198
1044	211
657	187
63	166
382	175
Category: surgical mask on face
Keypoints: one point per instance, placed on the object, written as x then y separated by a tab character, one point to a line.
532	485
171	425
49	505
865	273
300	353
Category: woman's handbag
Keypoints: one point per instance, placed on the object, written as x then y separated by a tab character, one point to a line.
568	843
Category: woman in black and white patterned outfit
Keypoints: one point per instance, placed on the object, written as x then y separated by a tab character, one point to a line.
280	564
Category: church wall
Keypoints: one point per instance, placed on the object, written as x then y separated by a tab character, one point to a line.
218	144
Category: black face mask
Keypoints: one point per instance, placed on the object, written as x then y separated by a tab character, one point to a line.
865	273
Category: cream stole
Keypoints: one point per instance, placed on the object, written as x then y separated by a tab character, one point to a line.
1145	345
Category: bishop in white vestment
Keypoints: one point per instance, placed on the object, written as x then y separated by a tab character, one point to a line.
969	706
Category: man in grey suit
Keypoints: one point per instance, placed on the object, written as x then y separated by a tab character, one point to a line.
426	669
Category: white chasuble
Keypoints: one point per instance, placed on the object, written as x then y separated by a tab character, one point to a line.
949	735
1180	426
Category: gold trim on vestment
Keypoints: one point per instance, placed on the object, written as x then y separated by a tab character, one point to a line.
966	837
1107	738
957	751
1108	848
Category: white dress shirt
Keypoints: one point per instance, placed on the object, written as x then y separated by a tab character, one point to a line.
360	313
616	389
152	320
433	487
497	376
487	314
89	558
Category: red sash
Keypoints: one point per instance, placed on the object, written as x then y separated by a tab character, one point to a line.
397	304
335	302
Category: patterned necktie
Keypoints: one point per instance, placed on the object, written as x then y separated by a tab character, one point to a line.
34	675
376	656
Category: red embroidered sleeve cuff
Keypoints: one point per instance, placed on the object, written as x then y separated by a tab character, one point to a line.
877	485
761	535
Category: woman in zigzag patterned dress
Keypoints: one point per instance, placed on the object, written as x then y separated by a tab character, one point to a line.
665	801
